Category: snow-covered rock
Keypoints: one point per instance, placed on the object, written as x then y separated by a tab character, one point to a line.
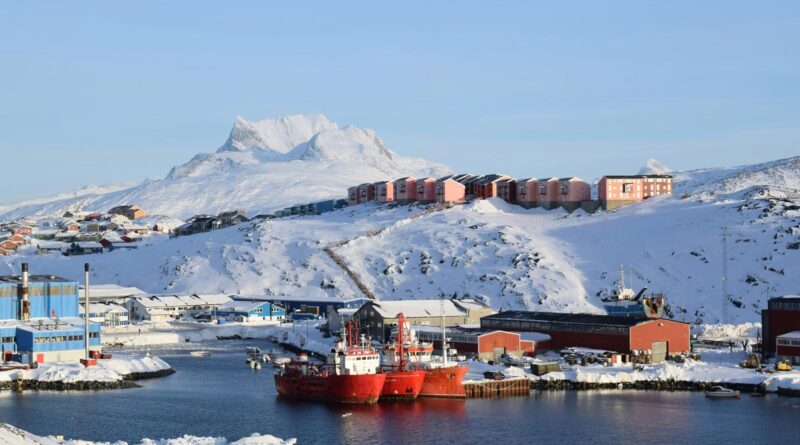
10	435
654	167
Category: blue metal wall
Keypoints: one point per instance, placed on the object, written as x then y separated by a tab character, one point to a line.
29	339
59	299
9	332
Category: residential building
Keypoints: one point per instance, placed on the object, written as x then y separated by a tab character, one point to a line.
366	193
572	192
384	191
448	190
405	190
547	197
132	211
614	191
229	218
486	186
426	190
196	224
507	190
352	196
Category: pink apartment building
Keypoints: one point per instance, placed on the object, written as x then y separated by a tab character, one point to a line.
405	190
449	190
527	192
352	195
618	190
547	196
366	193
384	191
426	190
572	192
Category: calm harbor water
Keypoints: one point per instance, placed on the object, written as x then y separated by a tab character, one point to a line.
221	396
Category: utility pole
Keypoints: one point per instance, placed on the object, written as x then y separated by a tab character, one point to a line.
725	274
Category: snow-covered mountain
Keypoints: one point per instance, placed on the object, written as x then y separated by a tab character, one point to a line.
507	255
262	166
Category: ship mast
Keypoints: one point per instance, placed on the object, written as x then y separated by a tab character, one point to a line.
444	336
401	321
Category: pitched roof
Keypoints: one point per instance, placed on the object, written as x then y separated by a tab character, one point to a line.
425	308
591	319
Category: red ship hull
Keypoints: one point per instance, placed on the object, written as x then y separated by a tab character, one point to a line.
444	382
402	385
361	389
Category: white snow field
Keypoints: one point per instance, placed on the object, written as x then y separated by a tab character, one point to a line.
263	166
10	435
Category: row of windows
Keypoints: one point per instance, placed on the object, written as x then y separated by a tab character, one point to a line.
788	342
59	339
8	340
557	326
784	306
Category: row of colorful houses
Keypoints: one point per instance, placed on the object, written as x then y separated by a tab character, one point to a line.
569	193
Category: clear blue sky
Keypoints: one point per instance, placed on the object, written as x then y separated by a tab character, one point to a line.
99	92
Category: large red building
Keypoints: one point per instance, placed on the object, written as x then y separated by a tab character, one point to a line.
621	334
782	316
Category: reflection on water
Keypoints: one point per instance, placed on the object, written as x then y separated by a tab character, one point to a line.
221	396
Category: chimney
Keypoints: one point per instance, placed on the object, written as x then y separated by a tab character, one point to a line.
86	308
25	307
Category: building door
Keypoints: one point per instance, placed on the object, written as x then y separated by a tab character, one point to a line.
659	349
498	352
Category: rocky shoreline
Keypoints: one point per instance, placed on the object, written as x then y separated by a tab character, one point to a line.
644	385
126	382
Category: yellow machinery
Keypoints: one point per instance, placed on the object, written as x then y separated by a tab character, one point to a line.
753	362
783	365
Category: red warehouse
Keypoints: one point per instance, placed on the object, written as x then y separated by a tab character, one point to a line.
486	344
610	333
781	317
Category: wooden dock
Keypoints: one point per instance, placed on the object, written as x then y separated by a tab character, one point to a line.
490	389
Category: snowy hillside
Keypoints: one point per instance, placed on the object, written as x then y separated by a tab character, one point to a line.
262	166
509	256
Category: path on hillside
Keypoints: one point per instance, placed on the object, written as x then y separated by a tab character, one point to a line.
329	250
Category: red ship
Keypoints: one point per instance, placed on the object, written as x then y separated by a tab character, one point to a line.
351	373
402	383
442	379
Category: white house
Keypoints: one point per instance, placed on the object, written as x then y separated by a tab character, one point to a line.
106	314
173	307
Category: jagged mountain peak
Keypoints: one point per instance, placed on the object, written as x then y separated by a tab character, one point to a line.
654	167
279	135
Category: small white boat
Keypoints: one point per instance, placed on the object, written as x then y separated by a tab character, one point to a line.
280	361
200	353
720	392
253	350
266	358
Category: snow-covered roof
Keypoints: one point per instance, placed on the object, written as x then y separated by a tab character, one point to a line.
112	291
157	301
240	306
99	308
422	308
534	336
795	335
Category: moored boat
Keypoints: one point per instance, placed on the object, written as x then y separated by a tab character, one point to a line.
720	392
351	373
402	383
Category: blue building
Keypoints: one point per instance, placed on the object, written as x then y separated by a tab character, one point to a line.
318	306
53	330
250	310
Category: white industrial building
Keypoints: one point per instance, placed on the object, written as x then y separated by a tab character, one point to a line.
108	315
173	307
